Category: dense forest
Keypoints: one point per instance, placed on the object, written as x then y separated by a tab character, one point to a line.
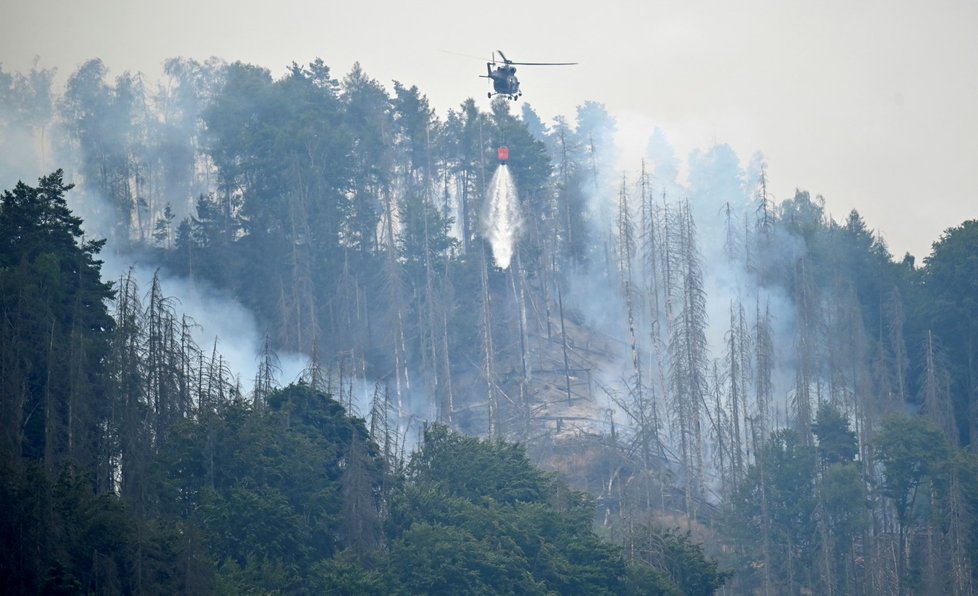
658	380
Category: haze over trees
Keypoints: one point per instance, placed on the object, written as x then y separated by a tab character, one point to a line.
729	392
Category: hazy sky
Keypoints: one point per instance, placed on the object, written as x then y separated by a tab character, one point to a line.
872	104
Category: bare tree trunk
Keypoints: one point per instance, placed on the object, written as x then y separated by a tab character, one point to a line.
520	297
958	521
489	349
736	362
805	341
765	517
764	357
402	380
719	433
563	343
302	292
449	407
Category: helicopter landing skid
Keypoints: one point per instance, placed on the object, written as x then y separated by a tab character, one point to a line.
509	96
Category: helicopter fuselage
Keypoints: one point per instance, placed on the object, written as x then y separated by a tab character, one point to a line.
504	81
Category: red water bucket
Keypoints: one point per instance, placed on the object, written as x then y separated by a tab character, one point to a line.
503	154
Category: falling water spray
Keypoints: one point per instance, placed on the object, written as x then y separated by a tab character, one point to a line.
501	217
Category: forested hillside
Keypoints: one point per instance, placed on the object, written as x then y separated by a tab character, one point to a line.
709	365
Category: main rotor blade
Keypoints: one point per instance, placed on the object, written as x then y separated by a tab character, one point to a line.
543	63
479	58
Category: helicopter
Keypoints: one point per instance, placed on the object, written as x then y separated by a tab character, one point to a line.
504	81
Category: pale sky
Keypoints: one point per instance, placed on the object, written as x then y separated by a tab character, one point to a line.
872	104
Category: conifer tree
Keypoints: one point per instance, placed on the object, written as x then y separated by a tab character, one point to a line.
55	338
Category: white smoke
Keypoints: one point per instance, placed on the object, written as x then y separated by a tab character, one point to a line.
723	197
221	320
